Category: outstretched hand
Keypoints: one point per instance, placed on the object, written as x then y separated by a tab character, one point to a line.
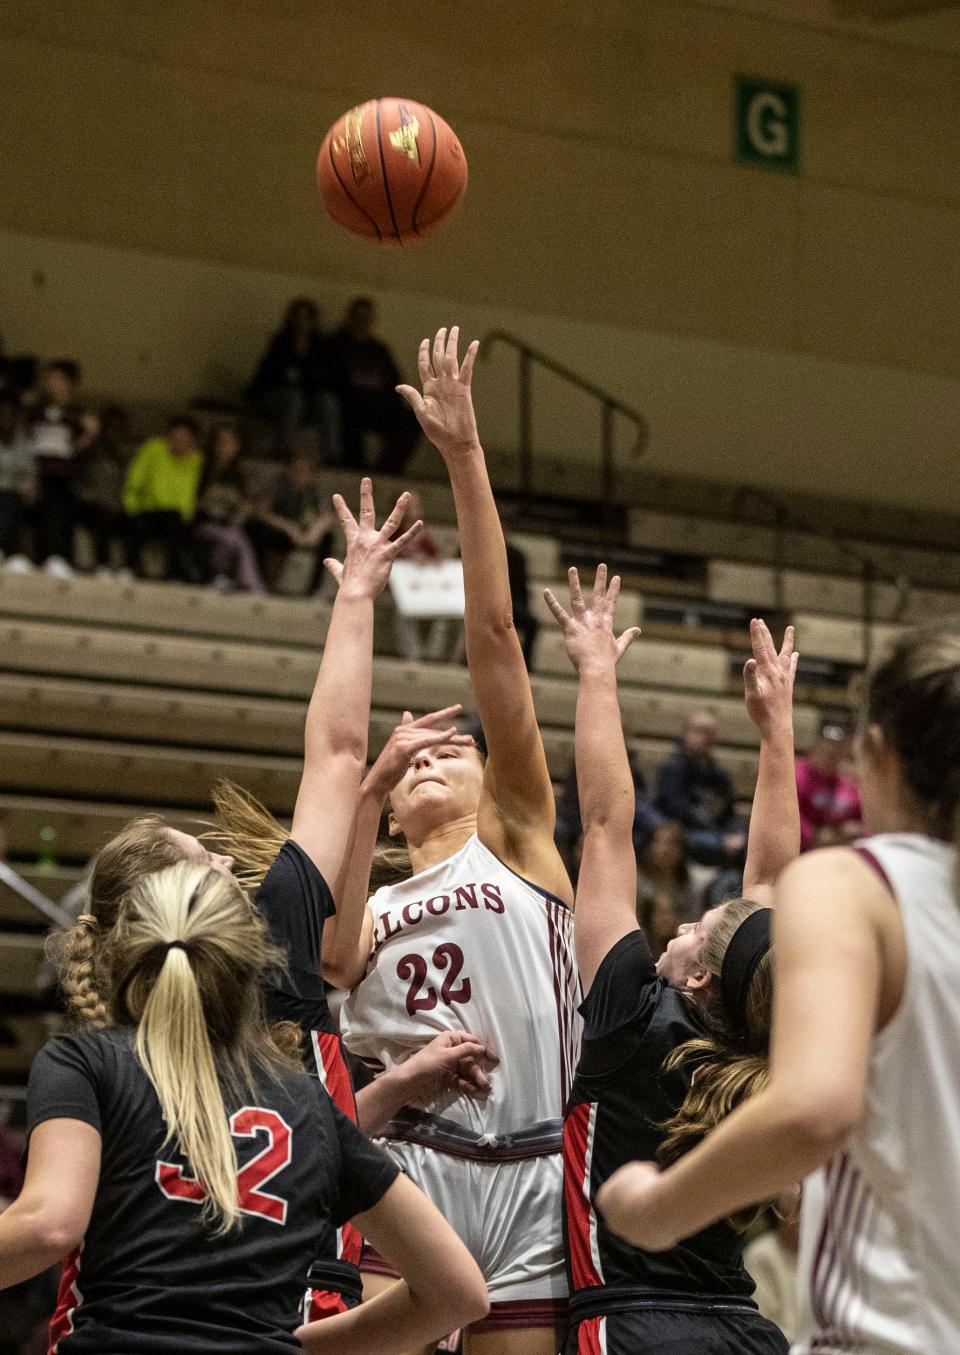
445	409
453	1061
768	679
588	631
409	738
370	552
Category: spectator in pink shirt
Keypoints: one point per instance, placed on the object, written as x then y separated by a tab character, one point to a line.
829	800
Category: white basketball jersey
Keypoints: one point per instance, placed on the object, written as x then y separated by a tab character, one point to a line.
880	1231
470	946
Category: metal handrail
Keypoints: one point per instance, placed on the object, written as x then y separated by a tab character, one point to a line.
784	517
610	405
53	912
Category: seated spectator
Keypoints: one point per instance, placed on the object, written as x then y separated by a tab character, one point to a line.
829	800
569	829
59	428
417	637
695	791
101	472
222	510
525	623
291	516
366	377
292	387
18	485
160	499
665	893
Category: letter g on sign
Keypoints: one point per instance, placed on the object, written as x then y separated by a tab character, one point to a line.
766	124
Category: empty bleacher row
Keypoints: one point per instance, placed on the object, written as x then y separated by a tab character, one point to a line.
117	698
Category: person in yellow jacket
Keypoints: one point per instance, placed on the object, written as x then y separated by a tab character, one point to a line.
160	499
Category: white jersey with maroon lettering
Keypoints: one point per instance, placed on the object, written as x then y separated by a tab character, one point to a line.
881	1222
468	945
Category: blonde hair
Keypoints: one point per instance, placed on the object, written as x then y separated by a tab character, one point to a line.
184	959
142	846
246	830
731	1059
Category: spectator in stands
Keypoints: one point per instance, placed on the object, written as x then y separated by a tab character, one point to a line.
568	833
771	1260
292	387
695	791
101	472
525	623
366	376
18	484
665	893
222	509
829	800
291	516
160	499
59	428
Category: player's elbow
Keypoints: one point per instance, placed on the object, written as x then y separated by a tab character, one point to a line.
464	1298
54	1234
817	1122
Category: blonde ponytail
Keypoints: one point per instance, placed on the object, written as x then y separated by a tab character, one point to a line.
246	830
184	958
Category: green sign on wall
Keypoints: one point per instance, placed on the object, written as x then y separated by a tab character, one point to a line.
766	123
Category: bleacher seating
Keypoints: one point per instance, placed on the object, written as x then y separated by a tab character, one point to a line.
120	697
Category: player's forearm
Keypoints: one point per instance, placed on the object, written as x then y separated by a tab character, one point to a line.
29	1245
339	711
774	837
343	960
763	1148
604	783
396	1321
488	619
379	1102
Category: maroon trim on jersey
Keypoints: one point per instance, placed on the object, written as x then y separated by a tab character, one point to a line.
372	1263
552	898
836	1280
69	1300
578	1135
867	855
523	1313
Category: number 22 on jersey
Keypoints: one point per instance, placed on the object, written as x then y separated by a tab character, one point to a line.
247	1123
414	967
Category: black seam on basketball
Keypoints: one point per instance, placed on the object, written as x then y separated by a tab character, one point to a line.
445	210
386	181
423	192
349	196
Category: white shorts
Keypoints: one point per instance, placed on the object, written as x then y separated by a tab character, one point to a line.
509	1215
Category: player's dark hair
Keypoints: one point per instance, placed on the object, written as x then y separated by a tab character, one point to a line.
913	696
732	1058
183	964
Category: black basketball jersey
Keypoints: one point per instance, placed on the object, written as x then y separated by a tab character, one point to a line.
622	1095
151	1276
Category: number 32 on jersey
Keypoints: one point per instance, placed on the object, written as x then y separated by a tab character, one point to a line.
247	1123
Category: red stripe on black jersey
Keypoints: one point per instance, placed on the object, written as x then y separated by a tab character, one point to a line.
332	1070
579	1129
69	1299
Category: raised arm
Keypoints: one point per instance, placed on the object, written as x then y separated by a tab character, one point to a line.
346	936
607	885
518	811
774	838
832	913
335	738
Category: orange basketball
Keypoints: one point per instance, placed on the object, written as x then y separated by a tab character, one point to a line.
391	170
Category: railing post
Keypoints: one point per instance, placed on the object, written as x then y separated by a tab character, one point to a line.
868	610
606	452
526	423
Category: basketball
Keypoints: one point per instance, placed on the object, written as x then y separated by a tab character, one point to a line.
391	170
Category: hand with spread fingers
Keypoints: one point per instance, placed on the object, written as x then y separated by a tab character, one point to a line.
588	631
768	678
370	551
409	738
453	1061
445	408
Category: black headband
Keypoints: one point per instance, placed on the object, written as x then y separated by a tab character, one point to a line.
748	945
176	945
